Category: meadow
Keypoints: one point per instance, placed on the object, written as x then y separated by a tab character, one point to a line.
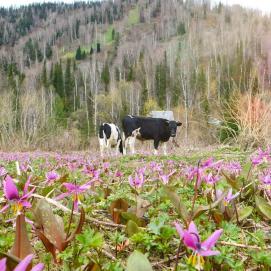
200	210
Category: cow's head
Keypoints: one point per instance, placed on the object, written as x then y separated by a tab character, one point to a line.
136	132
173	126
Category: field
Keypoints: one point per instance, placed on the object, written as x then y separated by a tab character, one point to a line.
137	212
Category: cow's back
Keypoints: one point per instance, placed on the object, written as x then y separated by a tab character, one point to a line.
150	128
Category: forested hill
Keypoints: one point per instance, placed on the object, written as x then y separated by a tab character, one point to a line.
65	68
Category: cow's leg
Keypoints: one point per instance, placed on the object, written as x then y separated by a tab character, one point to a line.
156	144
117	147
101	142
164	145
126	144
132	144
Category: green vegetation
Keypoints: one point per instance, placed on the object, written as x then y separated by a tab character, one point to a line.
133	16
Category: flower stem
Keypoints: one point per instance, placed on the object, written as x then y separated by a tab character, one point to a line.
235	209
177	256
195	193
70	221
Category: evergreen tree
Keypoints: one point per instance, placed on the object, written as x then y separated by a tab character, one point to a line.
78	55
98	47
39	54
77	26
83	56
113	34
161	82
44	79
105	76
69	86
48	51
58	80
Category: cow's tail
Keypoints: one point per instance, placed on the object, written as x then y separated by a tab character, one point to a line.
121	146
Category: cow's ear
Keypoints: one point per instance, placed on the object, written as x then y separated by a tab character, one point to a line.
179	123
167	123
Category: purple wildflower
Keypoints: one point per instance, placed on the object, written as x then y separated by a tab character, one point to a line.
14	199
191	239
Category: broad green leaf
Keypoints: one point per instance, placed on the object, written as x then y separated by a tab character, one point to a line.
131	228
232	181
243	213
138	262
130	216
263	206
201	209
176	201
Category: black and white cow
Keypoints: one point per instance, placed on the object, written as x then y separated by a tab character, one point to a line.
110	137
157	129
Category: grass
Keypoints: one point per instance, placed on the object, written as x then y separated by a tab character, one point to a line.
106	39
133	16
152	232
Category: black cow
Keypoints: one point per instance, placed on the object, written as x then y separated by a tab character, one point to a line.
110	137
156	129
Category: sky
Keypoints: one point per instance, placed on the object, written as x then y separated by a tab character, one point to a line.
263	5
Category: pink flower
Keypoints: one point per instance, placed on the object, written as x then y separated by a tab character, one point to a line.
76	191
230	197
118	174
3	171
3	264
137	181
211	178
155	166
23	265
52	176
165	177
261	156
12	195
265	178
233	168
191	239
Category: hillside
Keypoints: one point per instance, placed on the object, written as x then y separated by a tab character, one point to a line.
65	68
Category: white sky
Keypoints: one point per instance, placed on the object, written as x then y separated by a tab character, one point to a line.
264	5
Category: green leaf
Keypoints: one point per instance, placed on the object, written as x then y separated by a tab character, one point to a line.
90	239
176	201
131	228
138	262
201	209
130	216
232	181
243	213
263	206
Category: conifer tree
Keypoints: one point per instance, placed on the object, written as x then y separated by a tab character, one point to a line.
78	55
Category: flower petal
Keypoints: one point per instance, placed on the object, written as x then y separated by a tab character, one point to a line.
27	184
3	264
210	242
62	196
4	208
24	263
179	229
70	186
38	267
209	253
190	240
10	189
193	228
28	195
